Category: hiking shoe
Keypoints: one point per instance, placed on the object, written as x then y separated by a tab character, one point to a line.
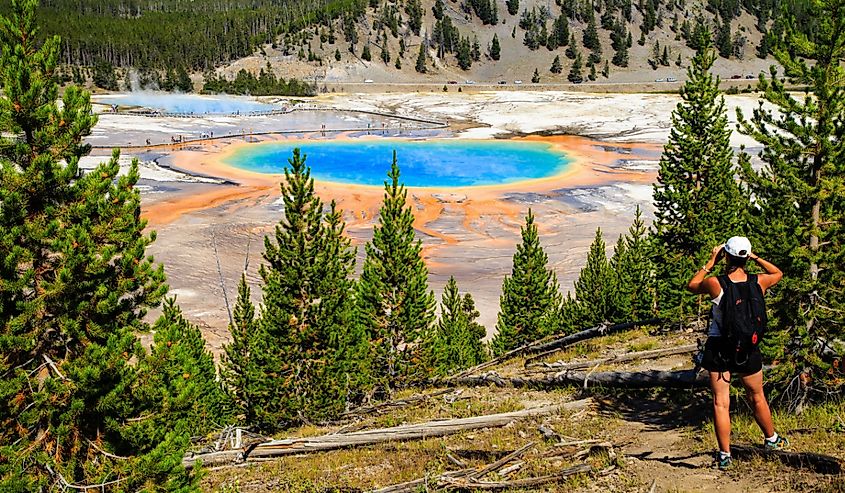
779	444
723	463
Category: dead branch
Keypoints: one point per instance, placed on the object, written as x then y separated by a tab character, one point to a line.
820	463
552	343
290	446
621	379
383	407
501	462
516	483
52	365
620	358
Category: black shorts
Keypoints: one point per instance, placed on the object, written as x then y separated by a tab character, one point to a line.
718	358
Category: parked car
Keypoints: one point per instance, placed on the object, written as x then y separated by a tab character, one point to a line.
517	82
659	80
368	81
453	82
736	76
671	79
750	76
469	82
503	82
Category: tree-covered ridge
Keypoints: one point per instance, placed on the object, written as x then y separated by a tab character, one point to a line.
202	34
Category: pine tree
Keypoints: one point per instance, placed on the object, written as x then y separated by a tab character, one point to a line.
595	289
495	49
476	50
592	74
75	285
571	48
634	269
560	30
437	9
421	60
395	309
513	6
307	263
366	55
696	197
605	72
591	35
535	79
530	297
556	67
240	372
798	218
178	380
456	340
464	54
575	72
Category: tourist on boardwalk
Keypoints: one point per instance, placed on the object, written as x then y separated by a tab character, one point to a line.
736	329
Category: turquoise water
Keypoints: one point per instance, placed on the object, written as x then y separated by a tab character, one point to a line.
424	163
187	103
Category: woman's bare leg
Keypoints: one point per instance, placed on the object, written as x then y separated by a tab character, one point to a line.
762	414
720	383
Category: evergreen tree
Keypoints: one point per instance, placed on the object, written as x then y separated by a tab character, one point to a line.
476	50
183	80
240	372
798	216
535	79
398	63
697	199
530	297
421	60
513	6
595	289
495	49
395	309
560	30
456	340
366	55
437	9
385	54
464	54
75	284
724	40
307	263
592	74
556	66
104	76
337	54
415	15
178	380
571	48
605	72
634	269
591	35
575	72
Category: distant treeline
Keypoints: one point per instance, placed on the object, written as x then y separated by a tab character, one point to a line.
266	84
197	35
201	34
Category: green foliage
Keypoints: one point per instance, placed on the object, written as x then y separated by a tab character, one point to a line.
495	48
513	6
530	297
75	285
365	55
596	287
535	79
576	74
266	84
305	323
634	268
395	308
104	76
556	68
697	200
455	343
798	216
240	372
421	60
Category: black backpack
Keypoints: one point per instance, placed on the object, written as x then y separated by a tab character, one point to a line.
743	317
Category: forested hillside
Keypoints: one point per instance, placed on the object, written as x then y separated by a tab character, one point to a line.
588	38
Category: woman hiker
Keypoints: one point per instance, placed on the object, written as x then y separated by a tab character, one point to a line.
722	354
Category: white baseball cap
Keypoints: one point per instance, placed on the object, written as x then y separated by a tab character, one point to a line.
738	246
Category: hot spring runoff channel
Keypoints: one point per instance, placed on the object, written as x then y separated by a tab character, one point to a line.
423	163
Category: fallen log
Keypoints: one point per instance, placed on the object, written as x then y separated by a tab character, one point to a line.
551	342
557	366
630	380
819	463
290	446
